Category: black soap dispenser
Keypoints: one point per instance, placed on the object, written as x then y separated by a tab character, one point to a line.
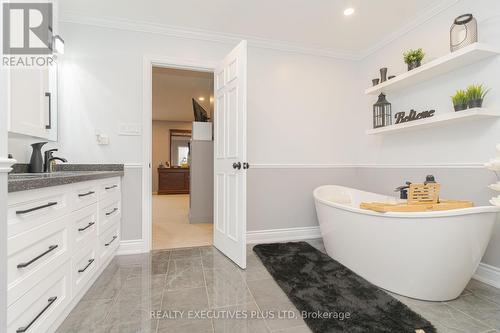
36	160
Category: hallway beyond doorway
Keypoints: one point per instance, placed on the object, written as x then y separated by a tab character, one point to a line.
171	227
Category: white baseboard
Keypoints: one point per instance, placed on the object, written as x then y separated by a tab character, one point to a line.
488	274
282	235
133	246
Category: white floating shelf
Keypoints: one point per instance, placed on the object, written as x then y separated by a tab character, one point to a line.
450	62
437	120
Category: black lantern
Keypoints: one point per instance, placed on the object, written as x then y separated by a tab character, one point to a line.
382	114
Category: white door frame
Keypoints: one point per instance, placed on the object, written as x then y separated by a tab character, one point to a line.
147	119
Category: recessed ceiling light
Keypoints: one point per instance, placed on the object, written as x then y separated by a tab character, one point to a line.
201	99
349	11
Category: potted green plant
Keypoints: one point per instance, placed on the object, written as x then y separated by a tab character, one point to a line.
459	100
475	95
413	58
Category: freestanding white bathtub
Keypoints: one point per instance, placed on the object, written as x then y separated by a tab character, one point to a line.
425	255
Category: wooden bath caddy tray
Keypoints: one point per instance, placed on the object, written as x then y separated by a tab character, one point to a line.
382	207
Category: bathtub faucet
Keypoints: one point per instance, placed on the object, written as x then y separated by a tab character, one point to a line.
403	190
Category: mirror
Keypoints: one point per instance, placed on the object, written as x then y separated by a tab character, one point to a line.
179	147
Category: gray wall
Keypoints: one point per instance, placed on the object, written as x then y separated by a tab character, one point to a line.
201	200
132	203
282	197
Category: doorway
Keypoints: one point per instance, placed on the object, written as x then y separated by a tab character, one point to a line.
230	148
182	158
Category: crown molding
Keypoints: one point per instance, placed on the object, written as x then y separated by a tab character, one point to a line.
425	16
204	35
224	38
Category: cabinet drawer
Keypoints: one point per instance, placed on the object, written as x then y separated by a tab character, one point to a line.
109	213
110	188
83	226
85	194
30	209
32	256
37	310
84	266
108	243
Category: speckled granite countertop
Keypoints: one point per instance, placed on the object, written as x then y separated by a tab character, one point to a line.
66	174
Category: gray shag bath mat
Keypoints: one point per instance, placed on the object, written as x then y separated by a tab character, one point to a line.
331	297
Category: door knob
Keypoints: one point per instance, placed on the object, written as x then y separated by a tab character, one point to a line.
237	165
246	165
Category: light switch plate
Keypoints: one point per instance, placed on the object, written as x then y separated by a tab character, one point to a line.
130	129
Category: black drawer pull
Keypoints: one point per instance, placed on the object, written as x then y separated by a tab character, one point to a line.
85	194
111	241
111	212
25	328
85	268
26	264
35	208
110	187
88	226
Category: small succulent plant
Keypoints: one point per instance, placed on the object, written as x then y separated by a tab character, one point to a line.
460	98
412	56
476	92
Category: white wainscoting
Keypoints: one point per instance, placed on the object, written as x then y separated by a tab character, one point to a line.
488	274
478	165
282	235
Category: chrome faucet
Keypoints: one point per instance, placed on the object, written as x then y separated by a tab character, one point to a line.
48	158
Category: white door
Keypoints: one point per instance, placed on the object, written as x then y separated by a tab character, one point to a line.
230	155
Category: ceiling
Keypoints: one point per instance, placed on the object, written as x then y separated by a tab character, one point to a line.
173	90
308	23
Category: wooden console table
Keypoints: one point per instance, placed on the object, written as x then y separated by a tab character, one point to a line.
173	180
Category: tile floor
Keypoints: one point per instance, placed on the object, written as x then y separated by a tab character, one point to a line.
171	227
201	278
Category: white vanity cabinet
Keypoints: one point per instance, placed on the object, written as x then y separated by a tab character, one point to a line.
33	102
59	240
33	95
